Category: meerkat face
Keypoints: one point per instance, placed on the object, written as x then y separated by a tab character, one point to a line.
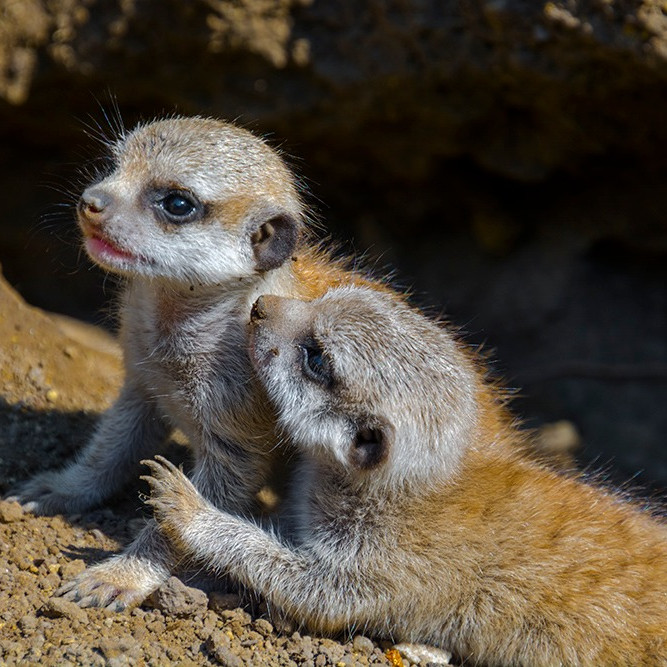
192	200
359	376
299	375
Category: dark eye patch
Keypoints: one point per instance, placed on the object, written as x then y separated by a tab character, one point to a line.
314	362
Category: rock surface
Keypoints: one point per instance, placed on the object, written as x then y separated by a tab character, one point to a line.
174	598
522	88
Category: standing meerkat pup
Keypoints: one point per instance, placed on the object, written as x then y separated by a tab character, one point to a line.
417	514
200	217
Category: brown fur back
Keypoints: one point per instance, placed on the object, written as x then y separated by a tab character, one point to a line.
545	565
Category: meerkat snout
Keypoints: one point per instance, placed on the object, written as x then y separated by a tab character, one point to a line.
93	203
278	313
273	323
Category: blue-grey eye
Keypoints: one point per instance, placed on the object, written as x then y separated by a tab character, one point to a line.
178	205
315	364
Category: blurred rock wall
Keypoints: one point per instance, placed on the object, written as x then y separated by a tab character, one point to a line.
506	158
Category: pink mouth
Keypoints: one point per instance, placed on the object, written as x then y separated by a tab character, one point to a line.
99	247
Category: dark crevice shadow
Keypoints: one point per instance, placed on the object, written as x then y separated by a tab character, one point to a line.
32	441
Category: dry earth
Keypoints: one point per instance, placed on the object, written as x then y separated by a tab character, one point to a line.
57	375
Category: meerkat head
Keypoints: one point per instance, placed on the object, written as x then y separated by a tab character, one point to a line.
359	376
192	200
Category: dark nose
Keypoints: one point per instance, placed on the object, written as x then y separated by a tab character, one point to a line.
94	201
258	311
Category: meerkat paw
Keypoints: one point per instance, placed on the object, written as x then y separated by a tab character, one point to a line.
174	499
116	584
55	492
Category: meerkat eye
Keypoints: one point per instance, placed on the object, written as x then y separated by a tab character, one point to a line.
315	363
178	205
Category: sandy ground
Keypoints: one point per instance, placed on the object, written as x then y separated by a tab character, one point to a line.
57	376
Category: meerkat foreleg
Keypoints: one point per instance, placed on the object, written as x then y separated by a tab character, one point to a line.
130	430
332	593
126	579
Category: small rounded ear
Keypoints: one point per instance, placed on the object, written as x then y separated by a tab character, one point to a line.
274	241
371	444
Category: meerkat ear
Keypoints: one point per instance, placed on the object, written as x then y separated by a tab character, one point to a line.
371	443
274	240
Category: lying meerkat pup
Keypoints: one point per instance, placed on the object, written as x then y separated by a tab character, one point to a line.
418	516
199	217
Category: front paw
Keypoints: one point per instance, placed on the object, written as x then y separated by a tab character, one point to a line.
115	584
174	499
53	492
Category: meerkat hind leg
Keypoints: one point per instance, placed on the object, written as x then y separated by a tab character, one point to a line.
128	431
126	579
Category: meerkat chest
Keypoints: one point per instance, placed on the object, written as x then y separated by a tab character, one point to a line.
190	358
327	513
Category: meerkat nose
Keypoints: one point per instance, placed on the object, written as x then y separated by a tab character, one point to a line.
258	311
93	202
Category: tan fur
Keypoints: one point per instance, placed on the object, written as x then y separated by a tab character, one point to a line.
315	273
455	536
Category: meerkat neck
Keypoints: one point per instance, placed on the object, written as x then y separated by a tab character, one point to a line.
236	288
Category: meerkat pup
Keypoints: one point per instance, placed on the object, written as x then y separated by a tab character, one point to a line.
417	514
199	217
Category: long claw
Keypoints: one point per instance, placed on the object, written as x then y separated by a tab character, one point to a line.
117	606
88	601
65	588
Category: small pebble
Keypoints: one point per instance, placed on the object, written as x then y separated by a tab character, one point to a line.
263	627
421	654
363	645
218	601
10	511
51	395
59	608
218	646
176	599
27	623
